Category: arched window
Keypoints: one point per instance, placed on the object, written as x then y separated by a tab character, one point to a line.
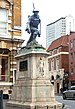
57	76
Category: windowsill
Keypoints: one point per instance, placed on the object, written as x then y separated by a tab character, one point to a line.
3	34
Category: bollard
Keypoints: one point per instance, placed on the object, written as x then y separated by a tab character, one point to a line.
54	106
1	99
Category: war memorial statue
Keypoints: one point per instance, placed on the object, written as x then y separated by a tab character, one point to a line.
33	89
33	26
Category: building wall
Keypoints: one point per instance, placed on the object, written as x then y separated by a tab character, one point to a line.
60	27
72	58
10	40
58	68
15	16
64	62
17	12
50	34
58	65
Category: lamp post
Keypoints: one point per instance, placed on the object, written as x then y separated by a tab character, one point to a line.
12	24
65	81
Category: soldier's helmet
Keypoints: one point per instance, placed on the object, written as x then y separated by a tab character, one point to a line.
35	11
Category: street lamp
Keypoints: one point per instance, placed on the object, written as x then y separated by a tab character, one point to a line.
65	81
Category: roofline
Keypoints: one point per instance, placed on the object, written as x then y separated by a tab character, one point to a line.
59	45
56	21
72	32
60	37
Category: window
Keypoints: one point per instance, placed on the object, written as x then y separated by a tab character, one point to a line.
49	65
71	44
52	64
57	63
74	42
4	70
72	56
3	21
57	76
59	49
15	75
74	69
71	70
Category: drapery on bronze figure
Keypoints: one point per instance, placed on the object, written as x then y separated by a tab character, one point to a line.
32	26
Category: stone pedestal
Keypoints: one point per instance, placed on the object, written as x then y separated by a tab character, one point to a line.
33	89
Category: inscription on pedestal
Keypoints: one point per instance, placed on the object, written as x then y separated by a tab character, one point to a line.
23	65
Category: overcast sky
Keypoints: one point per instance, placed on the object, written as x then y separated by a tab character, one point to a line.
49	11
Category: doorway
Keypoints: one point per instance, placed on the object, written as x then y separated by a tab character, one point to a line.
58	88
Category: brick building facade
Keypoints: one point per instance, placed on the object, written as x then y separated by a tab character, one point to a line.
72	58
59	63
10	40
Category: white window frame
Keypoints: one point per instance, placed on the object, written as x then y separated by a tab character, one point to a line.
4	20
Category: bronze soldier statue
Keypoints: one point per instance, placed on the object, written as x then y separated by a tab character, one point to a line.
32	26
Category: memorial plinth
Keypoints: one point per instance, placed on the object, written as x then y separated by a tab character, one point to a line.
33	89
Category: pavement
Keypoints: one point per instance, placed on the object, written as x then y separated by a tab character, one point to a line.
6	100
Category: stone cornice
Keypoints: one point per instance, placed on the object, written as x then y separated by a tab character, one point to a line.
61	53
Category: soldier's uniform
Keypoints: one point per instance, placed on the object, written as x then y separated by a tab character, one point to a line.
32	26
